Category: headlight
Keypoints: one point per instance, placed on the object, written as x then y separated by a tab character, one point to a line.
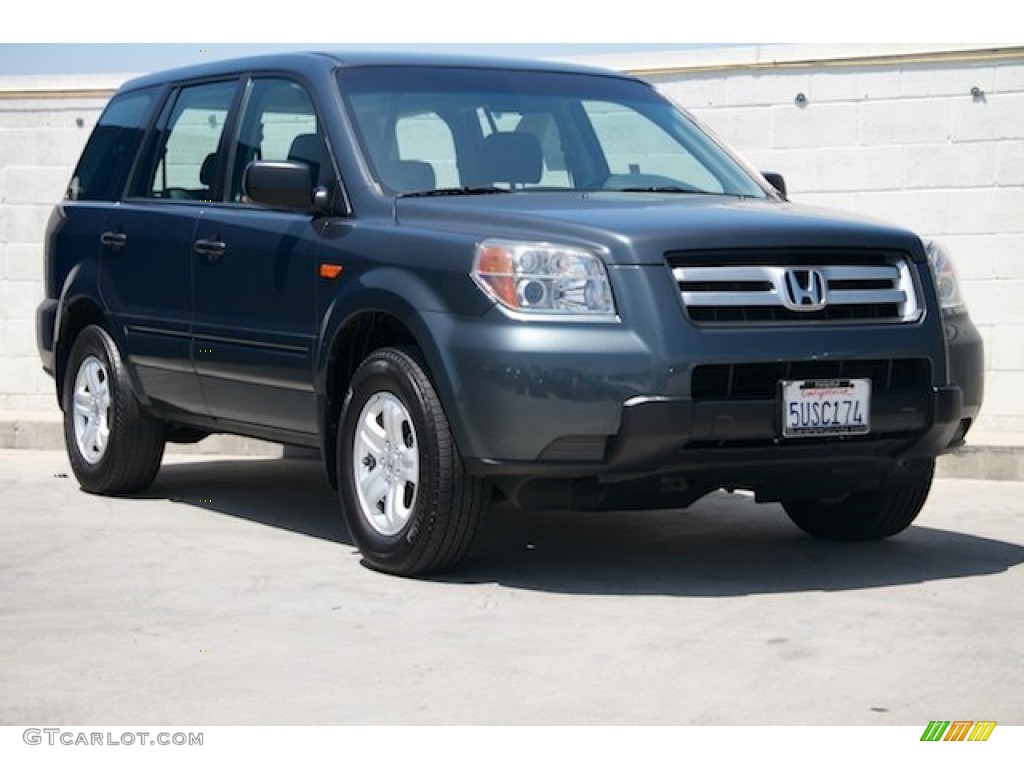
947	287
541	278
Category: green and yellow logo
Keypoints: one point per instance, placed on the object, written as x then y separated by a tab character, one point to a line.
958	730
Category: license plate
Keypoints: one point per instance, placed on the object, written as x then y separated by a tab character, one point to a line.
826	407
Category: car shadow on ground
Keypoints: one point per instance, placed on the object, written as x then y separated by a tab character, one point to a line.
290	494
723	545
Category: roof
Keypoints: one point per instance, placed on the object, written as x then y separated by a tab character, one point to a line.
313	61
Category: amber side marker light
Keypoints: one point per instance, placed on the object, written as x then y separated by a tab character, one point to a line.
330	271
496	270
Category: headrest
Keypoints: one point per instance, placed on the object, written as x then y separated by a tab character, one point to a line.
309	148
208	170
511	157
408	175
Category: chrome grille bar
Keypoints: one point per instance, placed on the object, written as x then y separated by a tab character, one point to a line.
872	292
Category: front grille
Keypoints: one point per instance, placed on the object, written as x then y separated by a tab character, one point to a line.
795	287
760	381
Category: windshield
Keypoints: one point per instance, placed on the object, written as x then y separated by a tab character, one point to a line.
468	130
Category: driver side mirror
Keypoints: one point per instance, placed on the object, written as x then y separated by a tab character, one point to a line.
284	184
776	180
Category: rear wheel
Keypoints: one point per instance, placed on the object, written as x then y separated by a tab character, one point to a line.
409	504
114	446
868	515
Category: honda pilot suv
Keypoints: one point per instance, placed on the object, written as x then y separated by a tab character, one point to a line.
466	281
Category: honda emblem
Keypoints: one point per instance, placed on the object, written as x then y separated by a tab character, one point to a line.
804	290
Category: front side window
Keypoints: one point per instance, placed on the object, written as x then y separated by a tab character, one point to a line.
440	128
279	122
103	169
186	163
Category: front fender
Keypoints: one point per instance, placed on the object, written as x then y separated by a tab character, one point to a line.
412	302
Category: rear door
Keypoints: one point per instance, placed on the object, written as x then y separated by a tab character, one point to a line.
147	243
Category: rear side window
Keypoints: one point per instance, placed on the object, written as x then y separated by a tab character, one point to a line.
103	170
187	159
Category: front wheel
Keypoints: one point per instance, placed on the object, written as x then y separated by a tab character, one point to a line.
409	504
868	515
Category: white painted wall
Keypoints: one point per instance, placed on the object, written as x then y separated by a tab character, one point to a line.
891	132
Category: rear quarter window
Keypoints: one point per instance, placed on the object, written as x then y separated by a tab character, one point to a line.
103	169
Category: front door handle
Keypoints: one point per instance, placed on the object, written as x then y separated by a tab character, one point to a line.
114	239
210	249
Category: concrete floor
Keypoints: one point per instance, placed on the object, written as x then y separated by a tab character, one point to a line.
231	594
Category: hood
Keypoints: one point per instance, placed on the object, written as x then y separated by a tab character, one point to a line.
638	228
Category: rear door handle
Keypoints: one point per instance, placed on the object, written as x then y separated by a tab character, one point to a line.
211	249
114	239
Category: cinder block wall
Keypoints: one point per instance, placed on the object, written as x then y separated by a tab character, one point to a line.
889	132
44	123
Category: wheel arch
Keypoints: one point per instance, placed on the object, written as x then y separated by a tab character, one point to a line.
79	306
359	334
74	316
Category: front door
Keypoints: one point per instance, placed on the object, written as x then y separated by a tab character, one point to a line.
255	275
255	317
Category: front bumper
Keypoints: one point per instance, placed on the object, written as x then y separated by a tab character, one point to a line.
664	436
658	459
605	401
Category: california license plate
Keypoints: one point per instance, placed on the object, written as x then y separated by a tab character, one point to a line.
822	408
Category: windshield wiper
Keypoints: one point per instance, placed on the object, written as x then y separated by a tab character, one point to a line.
454	191
673	190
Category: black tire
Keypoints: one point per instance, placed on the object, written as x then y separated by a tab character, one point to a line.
127	459
870	515
405	522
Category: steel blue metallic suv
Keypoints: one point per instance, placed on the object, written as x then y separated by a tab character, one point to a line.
467	280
